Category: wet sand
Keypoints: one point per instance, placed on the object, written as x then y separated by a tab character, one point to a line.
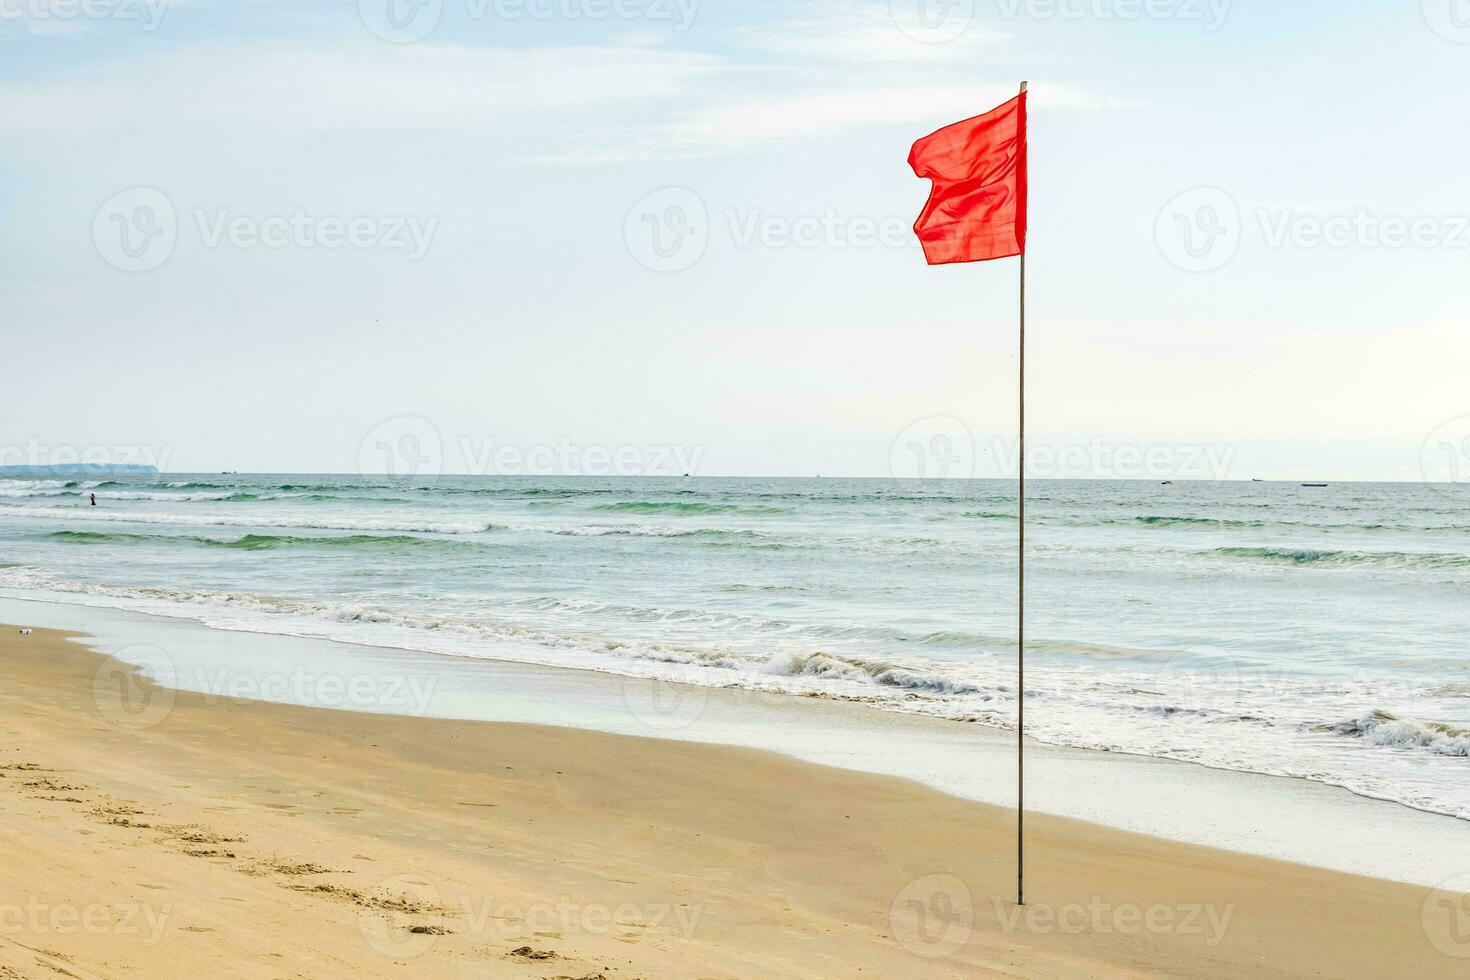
152	833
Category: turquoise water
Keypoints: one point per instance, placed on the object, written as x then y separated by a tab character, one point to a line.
1316	633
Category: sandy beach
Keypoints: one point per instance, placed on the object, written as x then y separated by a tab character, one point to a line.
163	834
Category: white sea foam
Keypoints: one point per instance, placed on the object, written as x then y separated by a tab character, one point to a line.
329	523
1380	727
1162	620
32	488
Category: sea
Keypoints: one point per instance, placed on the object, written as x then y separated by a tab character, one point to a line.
1315	632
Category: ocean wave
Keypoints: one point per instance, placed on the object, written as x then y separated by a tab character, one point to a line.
1379	727
259	542
406	525
687	507
192	497
1311	556
880	672
1162	520
712	536
73	488
35	488
1134	711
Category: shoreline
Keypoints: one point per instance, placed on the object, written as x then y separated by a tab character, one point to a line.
292	838
1281	817
1219	698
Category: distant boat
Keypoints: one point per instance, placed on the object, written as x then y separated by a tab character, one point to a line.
1167	483
1314	485
1256	479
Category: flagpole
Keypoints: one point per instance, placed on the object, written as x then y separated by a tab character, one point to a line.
1021	597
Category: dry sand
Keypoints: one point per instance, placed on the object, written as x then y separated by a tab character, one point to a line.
147	834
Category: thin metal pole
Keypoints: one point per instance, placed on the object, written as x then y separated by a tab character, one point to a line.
1021	616
1021	599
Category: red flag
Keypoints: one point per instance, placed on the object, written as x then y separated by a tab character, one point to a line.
977	206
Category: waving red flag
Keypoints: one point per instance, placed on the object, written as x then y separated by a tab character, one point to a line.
977	207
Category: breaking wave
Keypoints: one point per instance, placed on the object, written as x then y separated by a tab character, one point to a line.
325	523
1379	727
1309	556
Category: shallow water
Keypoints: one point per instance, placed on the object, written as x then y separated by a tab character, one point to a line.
1264	627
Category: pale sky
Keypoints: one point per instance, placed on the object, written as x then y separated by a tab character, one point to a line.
178	185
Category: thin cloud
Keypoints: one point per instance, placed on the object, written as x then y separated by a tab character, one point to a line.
864	31
274	87
719	129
